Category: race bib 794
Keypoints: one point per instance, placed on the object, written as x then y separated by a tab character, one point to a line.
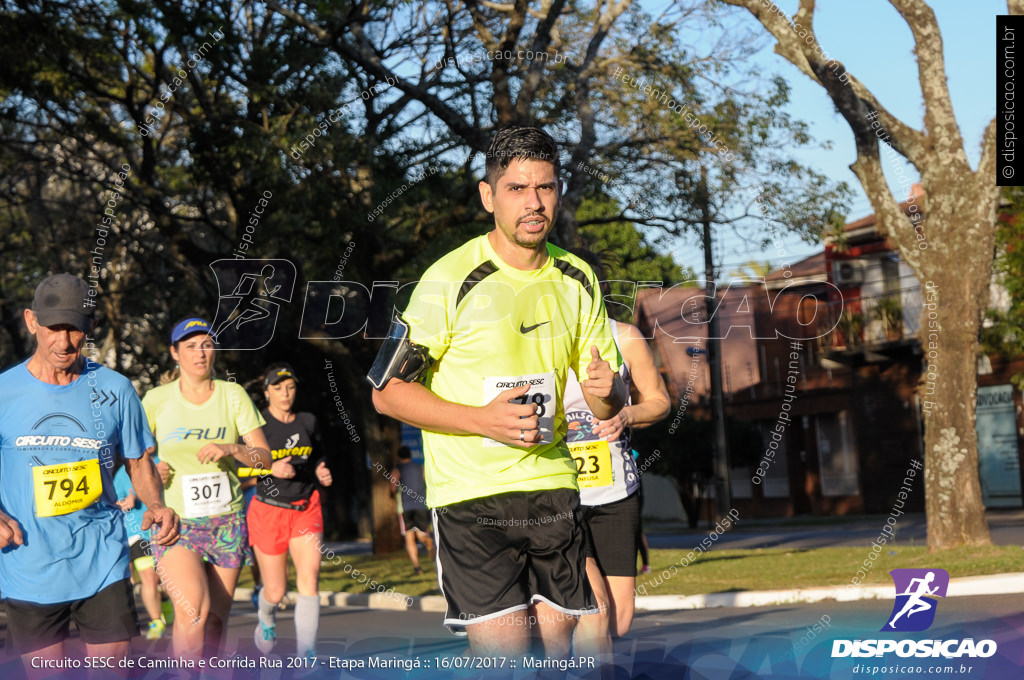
66	487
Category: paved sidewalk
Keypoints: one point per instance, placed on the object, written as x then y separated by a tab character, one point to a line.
994	584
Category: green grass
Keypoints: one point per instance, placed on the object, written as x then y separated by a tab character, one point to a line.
717	571
722	571
652	525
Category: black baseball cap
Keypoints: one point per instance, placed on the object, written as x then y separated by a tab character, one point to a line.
63	299
277	372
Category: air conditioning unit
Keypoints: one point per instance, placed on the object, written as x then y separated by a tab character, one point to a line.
848	272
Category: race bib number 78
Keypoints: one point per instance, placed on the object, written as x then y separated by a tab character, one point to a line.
541	394
66	487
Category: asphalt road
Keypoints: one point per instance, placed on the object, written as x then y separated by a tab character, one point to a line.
793	641
768	642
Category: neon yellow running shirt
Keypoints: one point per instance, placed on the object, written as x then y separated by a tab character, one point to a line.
490	327
181	429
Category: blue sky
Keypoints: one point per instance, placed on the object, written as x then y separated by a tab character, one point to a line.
871	39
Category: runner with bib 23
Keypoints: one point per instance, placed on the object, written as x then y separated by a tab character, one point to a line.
610	483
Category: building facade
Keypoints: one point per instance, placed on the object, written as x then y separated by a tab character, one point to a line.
826	359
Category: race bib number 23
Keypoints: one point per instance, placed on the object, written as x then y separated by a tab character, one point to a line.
593	463
66	487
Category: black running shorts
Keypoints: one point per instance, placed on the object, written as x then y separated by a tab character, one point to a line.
500	554
418	520
612	534
136	551
107	616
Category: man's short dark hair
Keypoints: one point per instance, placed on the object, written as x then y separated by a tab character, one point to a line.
519	142
404	453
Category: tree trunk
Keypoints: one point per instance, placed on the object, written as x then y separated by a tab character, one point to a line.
382	442
956	279
10	320
953	505
387	537
951	253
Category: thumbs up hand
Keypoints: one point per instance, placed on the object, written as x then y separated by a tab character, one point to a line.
600	377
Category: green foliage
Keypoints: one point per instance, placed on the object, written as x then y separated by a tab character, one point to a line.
390	168
851	326
889	310
708	156
1003	334
751	269
625	254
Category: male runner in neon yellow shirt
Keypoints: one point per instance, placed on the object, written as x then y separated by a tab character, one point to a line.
497	324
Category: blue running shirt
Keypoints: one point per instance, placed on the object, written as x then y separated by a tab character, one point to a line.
59	446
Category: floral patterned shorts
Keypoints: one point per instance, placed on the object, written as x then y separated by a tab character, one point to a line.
222	540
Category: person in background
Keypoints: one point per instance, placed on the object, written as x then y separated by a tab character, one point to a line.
286	515
408	476
609	481
248	484
140	552
644	550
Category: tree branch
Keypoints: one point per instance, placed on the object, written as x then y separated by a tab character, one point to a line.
939	119
364	55
854	100
541	41
987	164
481	27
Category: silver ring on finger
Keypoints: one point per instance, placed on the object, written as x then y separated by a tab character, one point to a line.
522	435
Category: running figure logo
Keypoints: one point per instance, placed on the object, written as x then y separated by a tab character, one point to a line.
247	315
916	590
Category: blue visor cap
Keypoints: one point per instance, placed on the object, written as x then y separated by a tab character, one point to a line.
190	326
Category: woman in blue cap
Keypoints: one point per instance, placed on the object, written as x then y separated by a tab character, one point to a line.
197	421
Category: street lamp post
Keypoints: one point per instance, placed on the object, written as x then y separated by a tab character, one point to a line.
721	449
